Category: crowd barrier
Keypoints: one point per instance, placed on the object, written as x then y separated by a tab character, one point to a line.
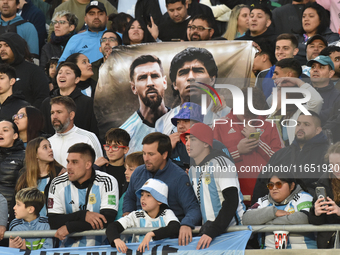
140	231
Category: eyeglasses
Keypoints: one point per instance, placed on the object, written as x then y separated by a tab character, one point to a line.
110	39
60	22
114	147
271	185
199	28
19	116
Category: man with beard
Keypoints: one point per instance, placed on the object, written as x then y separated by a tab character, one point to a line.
304	156
191	70
148	82
200	28
63	111
88	42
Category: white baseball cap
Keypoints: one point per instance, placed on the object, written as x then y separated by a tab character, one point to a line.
157	188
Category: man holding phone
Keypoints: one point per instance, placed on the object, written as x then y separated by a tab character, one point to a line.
250	140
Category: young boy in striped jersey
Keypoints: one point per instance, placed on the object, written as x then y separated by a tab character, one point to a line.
215	183
29	202
155	213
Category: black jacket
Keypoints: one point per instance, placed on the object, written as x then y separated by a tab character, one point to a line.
288	18
324	239
297	160
12	105
330	97
84	118
333	123
269	34
54	48
11	161
31	79
301	55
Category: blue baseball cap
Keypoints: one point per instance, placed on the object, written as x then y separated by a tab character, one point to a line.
188	111
157	188
323	60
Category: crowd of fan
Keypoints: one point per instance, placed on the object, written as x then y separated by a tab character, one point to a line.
157	168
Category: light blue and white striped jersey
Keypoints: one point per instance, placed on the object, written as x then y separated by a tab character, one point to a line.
41	186
137	131
64	198
210	179
165	126
140	219
301	202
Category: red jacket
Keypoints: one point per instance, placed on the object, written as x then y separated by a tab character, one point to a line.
270	142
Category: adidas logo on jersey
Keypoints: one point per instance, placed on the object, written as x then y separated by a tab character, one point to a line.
231	131
85	47
71	203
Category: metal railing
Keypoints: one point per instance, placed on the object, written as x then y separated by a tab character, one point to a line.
140	231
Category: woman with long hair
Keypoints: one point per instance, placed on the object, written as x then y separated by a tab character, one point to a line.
327	211
86	83
137	32
287	203
238	22
30	122
315	21
40	167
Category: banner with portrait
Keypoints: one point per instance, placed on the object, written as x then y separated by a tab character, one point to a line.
115	100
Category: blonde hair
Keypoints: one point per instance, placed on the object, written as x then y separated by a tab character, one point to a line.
230	34
31	197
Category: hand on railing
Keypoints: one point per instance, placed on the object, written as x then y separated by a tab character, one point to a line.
95	219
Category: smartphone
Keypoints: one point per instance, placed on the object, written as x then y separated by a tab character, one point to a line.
255	135
148	20
321	193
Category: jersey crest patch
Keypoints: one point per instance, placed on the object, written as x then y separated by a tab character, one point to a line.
111	199
92	199
50	203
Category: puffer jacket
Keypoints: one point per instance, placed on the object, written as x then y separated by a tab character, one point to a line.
11	161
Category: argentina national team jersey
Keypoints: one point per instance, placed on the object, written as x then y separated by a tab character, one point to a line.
140	219
209	182
137	131
41	186
64	198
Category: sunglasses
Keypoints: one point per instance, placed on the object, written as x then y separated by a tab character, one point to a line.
19	116
271	185
114	148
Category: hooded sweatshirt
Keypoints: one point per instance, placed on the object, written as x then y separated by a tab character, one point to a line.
12	105
31	79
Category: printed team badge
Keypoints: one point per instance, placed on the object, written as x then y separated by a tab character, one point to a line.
207	179
50	203
111	200
291	209
92	199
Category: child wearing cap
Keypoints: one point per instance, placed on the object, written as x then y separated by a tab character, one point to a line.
155	213
215	183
